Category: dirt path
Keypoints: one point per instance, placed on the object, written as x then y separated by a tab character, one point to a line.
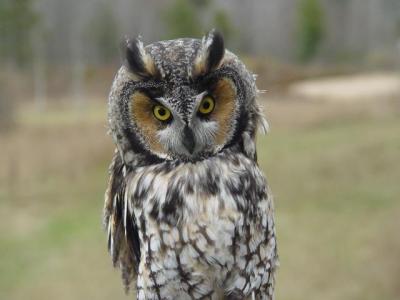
372	86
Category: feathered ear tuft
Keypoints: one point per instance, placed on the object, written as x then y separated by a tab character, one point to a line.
137	60
211	53
215	49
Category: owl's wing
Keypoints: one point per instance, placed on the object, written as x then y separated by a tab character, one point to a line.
123	238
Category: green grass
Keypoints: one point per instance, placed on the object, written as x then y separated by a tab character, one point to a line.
337	202
337	211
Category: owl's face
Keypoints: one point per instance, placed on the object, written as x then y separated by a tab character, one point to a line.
180	99
186	121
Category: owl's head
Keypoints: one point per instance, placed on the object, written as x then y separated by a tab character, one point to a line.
183	99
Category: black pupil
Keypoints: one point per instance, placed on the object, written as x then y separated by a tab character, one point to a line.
162	112
206	105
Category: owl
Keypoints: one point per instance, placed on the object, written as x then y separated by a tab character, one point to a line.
188	212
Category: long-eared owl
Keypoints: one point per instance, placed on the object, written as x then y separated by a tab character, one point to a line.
188	212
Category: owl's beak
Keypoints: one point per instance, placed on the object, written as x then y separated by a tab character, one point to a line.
188	139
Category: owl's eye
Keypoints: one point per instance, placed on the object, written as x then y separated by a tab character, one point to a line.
162	113
207	105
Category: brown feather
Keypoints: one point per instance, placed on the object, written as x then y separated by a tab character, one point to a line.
224	93
123	245
142	113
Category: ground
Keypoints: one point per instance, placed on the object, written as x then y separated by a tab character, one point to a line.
333	167
359	87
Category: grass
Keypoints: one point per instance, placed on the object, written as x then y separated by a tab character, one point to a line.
335	181
337	209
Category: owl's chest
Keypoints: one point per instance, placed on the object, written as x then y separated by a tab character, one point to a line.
201	228
208	253
200	201
194	225
205	190
194	256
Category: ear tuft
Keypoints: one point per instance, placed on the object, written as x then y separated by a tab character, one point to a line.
137	60
211	53
216	50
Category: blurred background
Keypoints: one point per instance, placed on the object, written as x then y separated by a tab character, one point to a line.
331	71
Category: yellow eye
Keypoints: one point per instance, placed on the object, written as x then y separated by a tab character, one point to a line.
207	105
161	113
